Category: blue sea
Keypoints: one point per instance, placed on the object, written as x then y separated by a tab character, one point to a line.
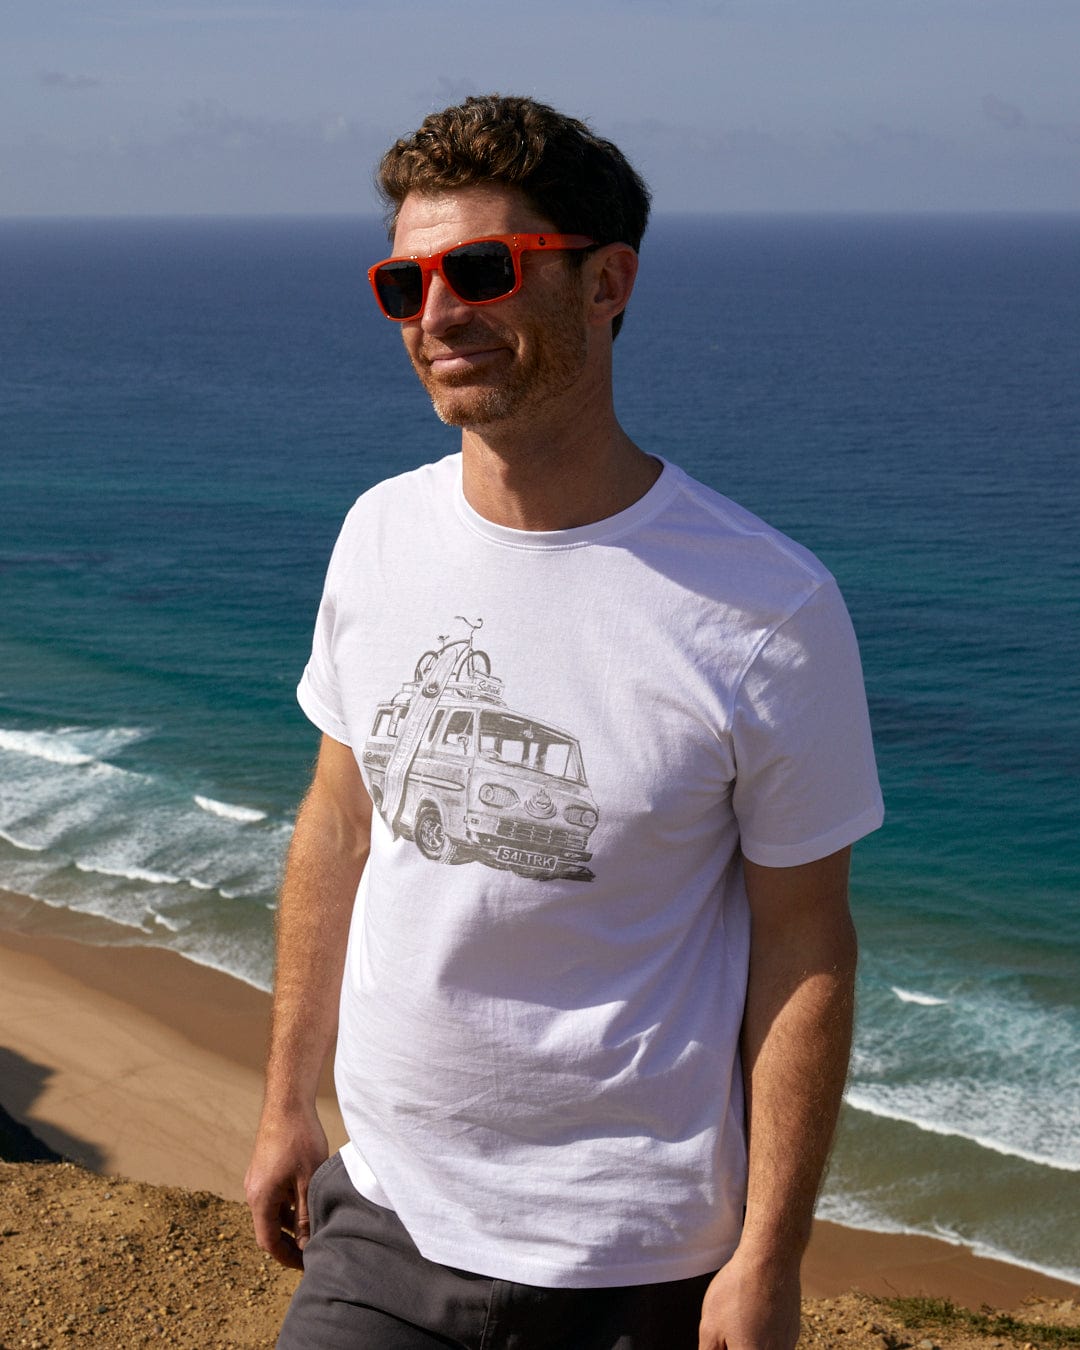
188	408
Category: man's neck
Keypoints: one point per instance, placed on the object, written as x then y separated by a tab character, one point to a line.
538	478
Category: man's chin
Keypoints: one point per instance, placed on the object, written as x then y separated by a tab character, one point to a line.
470	407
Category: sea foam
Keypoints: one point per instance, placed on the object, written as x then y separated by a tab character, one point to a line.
917	1108
72	746
24	844
243	814
923	1000
852	1212
131	874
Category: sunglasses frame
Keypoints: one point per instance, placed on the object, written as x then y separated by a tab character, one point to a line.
433	262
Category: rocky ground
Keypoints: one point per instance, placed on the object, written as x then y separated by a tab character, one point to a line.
85	1258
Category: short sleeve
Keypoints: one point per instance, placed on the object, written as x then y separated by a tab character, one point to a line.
805	779
318	693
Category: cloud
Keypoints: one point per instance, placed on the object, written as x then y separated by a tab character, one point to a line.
58	79
1006	115
881	167
447	91
213	158
210	126
211	121
216	14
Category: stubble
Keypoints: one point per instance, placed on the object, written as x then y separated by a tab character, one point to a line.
543	359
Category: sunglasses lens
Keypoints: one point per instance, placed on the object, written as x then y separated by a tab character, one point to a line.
401	288
481	271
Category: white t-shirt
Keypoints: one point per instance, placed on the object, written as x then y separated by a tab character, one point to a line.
570	737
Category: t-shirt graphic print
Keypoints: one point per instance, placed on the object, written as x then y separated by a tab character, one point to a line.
455	768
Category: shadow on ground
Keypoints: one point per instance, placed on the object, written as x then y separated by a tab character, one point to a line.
22	1139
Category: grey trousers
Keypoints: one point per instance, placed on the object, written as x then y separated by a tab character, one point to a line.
366	1287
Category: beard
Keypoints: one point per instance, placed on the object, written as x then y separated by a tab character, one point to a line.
540	359
466	400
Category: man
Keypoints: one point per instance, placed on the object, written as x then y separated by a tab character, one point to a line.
574	858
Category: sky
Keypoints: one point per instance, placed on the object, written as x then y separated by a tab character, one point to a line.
149	107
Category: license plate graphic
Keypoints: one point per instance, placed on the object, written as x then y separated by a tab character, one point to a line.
519	857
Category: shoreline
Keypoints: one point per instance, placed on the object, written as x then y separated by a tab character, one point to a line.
135	1061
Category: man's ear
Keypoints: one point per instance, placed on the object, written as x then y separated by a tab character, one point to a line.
609	274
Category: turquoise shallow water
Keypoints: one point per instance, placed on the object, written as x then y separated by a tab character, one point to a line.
187	410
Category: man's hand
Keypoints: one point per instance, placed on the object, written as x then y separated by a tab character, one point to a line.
326	859
287	1153
751	1309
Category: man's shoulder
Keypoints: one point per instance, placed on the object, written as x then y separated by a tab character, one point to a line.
435	482
411	506
738	546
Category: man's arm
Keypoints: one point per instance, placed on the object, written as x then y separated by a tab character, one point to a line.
796	1039
326	857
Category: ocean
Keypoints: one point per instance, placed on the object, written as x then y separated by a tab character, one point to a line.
187	410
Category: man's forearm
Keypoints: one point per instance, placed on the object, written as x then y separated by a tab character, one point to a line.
796	1036
324	866
796	1043
322	873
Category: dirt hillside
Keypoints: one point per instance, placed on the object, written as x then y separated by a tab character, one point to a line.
85	1258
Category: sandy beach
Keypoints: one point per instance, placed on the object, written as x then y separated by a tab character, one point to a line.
133	1062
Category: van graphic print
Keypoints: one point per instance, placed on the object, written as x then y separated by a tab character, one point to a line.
457	771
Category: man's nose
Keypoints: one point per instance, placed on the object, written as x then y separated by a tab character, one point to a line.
442	308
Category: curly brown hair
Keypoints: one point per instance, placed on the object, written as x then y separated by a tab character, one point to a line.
578	181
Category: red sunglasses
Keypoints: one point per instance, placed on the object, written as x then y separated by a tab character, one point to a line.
478	271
